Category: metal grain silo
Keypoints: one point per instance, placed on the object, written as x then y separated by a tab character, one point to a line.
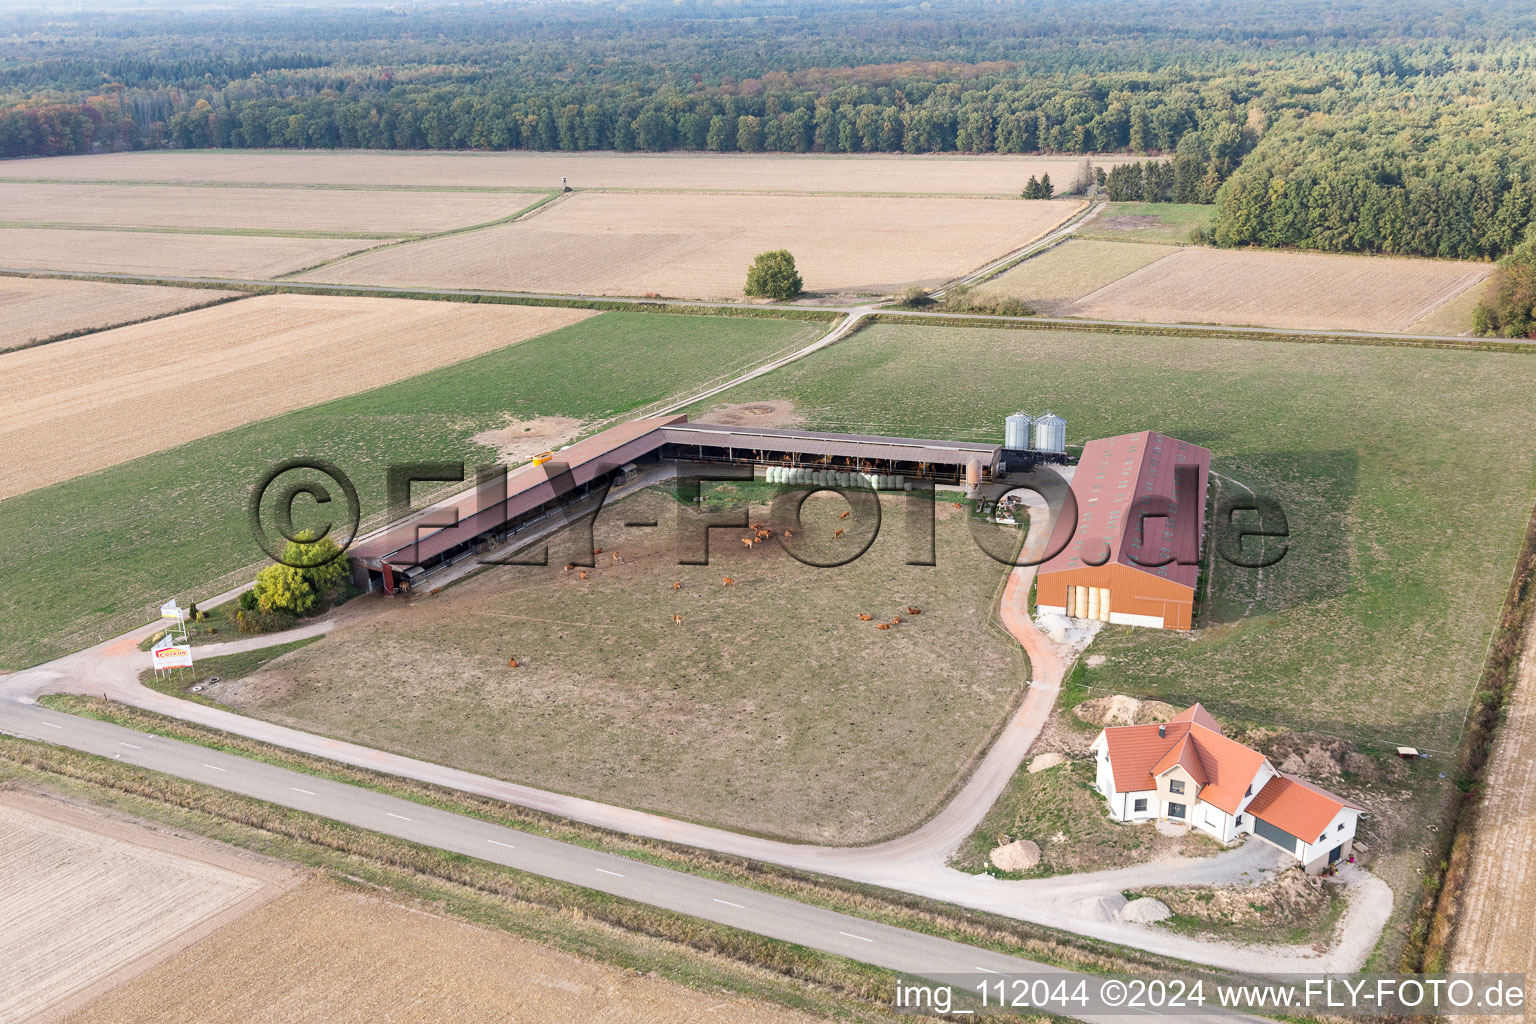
1050	433
1016	431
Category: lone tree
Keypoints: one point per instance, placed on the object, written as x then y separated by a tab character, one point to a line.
773	276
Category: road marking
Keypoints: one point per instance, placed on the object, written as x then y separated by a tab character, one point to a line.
983	970
615	874
296	789
495	843
728	903
51	725
861	938
392	814
133	745
215	767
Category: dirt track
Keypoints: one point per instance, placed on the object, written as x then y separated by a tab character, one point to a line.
1499	916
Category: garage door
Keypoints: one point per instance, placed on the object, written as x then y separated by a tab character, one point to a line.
1279	837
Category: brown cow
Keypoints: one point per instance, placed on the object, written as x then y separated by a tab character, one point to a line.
866	618
914	611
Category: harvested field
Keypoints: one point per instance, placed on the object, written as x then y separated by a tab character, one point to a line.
1051	281
327	955
1313	291
770	172
771	707
101	399
700	246
375	212
1499	901
168	255
1455	317
90	900
34	309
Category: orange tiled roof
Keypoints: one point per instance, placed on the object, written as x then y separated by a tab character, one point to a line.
1196	713
1225	767
1185	756
1297	807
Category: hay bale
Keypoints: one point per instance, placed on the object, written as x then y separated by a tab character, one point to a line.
1043	761
1146	911
1020	855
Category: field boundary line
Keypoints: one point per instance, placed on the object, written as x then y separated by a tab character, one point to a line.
295	185
395	241
174	229
877	311
82	332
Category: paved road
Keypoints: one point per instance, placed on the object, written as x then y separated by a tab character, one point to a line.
1214	330
856	938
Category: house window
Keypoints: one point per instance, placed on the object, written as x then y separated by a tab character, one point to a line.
1140	804
1322	837
1340	828
1249	791
1239	822
1175	786
1175	810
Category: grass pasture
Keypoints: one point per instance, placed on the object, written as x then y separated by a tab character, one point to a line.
700	245
87	403
1052	281
121	540
770	708
39	309
951	174
1405	514
1266	288
1165	223
167	254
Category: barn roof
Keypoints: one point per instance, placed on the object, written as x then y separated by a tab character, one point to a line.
903	449
1112	474
528	487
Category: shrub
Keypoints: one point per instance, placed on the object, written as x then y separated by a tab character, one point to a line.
773	276
247	601
282	588
915	297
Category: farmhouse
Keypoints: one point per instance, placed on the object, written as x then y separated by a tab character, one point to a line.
1103	568
1186	771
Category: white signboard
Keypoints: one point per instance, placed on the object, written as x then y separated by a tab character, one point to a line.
170	611
169	654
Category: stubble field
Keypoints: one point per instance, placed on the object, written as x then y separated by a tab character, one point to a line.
1052	281
327	955
700	246
86	898
35	309
167	254
1282	289
375	213
91	402
771	707
767	172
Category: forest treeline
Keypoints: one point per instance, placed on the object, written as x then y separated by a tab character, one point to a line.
1397	127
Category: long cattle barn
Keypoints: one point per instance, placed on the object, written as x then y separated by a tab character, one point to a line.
1108	570
485	517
